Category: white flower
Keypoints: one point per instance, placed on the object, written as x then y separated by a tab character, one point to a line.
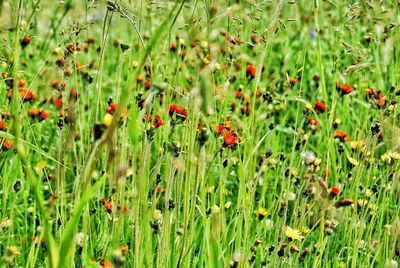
391	264
290	196
80	237
307	157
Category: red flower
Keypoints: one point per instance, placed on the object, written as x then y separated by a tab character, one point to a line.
320	107
250	71
107	204
178	110
341	135
58	102
112	107
238	94
158	122
313	123
181	111
2	124
147	84
22	83
344	89
345	202
44	115
230	138
25	41
335	191
219	129
106	264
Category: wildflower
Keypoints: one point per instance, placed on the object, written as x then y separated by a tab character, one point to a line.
250	71
147	84
293	234
107	119
112	106
313	123
107	204
173	47
261	213
390	156
158	122
230	138
307	157
157	214
335	191
219	129
105	264
10	255
7	144
292	80
5	223
3	125
25	41
44	115
341	135
344	89
353	161
80	237
180	111
392	263
344	203
320	107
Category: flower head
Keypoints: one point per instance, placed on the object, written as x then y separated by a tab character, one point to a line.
230	138
250	71
293	234
320	107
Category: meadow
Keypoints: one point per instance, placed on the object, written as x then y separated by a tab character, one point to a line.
201	133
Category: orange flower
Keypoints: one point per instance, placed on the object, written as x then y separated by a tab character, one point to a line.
341	135
230	138
178	110
147	84
2	124
158	122
250	71
58	102
313	123
33	112
320	107
8	144
44	115
105	264
219	128
112	107
107	204
344	89
292	80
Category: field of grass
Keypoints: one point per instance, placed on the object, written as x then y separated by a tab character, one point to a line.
235	133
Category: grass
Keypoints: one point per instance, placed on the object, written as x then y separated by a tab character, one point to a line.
199	134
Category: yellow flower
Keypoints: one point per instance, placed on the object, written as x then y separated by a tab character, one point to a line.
353	161
107	119
261	212
390	155
294	234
